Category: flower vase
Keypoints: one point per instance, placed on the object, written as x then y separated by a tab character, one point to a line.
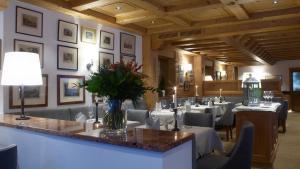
114	118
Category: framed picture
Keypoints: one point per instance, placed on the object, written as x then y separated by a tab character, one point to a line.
29	22
88	35
127	44
28	46
106	58
107	40
35	96
67	58
67	90
67	32
127	58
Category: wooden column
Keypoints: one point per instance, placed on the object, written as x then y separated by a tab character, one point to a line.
149	63
230	72
198	73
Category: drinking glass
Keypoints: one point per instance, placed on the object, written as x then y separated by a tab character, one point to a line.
271	96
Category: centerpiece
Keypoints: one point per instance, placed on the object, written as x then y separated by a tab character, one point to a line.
117	82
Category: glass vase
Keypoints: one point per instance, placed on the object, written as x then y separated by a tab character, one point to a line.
114	118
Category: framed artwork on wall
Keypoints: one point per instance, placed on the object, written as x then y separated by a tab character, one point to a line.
67	32
127	58
35	96
29	22
68	91
67	58
28	46
127	44
107	40
106	58
88	35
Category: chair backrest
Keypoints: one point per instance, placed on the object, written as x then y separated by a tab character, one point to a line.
137	115
228	117
9	157
241	155
199	119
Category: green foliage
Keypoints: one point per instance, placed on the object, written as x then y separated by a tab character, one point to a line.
118	81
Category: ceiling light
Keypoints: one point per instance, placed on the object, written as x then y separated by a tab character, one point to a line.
152	22
118	8
275	1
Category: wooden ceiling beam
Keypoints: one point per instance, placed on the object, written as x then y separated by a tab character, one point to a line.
247	51
237	10
159	11
198	6
254	19
64	7
81	5
237	29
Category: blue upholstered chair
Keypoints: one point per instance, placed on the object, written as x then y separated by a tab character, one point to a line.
226	121
239	158
8	157
199	119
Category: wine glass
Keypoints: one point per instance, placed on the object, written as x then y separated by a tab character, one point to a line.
271	96
164	104
265	96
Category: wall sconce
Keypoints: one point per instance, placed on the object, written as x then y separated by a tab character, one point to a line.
89	65
208	78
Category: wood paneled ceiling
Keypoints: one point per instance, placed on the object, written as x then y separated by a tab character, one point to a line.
233	31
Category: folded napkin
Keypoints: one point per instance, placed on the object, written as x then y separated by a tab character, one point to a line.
153	123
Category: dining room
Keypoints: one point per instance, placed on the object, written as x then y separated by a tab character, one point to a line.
149	84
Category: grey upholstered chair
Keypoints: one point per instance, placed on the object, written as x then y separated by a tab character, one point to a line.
137	115
226	121
239	158
282	112
8	157
198	119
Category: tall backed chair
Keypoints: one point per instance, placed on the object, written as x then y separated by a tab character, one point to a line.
199	119
8	157
239	158
226	121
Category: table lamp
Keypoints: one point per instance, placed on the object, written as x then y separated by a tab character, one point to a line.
21	69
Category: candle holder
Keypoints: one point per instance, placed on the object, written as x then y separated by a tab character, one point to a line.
175	117
96	114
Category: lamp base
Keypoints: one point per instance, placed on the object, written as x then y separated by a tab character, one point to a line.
23	118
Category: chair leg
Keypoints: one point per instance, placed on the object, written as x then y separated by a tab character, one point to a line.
227	133
284	126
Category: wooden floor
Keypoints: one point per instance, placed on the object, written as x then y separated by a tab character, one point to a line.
288	154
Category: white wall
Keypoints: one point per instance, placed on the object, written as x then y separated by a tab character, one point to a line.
280	68
1	55
86	51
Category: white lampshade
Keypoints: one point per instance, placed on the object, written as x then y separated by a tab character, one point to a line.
21	68
187	67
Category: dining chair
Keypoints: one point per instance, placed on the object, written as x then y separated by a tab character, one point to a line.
198	119
8	157
240	156
226	121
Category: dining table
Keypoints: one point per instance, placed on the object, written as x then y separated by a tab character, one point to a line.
206	138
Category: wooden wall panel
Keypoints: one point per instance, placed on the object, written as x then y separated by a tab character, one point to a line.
229	88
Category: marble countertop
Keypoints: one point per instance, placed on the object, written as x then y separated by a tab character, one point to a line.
147	139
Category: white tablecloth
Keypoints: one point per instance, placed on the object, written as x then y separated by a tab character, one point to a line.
206	139
262	107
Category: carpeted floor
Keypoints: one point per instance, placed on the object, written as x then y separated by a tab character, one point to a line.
288	155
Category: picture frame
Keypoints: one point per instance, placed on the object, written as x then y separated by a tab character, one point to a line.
67	58
88	35
67	32
68	92
106	58
107	40
35	96
127	58
29	22
127	44
29	46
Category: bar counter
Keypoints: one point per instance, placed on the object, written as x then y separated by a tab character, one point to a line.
64	144
154	140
